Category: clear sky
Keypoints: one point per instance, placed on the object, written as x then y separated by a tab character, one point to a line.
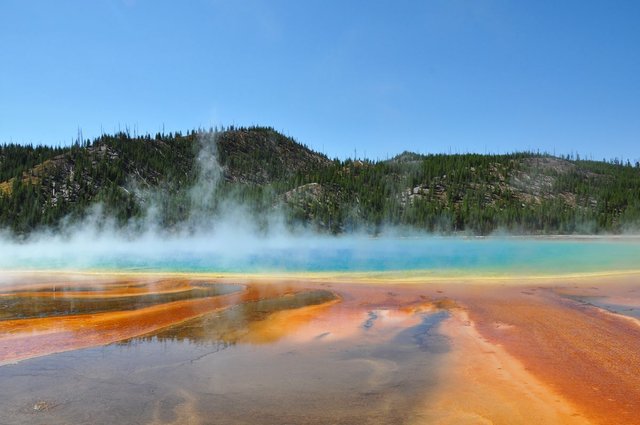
378	77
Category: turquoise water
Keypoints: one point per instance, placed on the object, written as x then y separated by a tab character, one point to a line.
354	254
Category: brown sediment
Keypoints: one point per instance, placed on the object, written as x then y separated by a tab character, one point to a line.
520	352
283	323
590	357
546	357
97	289
480	383
262	321
27	338
21	305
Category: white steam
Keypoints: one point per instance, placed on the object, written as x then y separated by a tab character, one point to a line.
202	195
217	235
223	235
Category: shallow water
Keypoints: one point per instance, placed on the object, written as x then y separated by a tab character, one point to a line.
289	355
71	301
603	302
166	381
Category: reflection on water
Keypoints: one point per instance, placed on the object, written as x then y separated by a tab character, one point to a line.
271	354
65	301
605	303
425	335
235	323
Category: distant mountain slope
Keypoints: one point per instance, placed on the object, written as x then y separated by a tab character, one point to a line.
262	155
265	171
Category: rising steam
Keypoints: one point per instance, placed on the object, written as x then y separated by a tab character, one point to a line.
220	234
202	195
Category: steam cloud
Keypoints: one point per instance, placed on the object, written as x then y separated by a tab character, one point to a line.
221	234
218	235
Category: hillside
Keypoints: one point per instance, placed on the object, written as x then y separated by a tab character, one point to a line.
263	170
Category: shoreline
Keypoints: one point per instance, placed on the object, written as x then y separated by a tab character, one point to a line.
373	277
516	343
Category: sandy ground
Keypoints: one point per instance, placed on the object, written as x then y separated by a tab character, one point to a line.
590	356
481	383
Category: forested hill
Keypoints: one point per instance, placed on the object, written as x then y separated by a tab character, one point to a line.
267	173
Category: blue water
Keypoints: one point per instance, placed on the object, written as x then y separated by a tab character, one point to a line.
430	254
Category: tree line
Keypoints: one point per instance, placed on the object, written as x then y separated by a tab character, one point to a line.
46	187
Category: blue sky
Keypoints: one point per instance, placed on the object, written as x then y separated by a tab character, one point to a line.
376	77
